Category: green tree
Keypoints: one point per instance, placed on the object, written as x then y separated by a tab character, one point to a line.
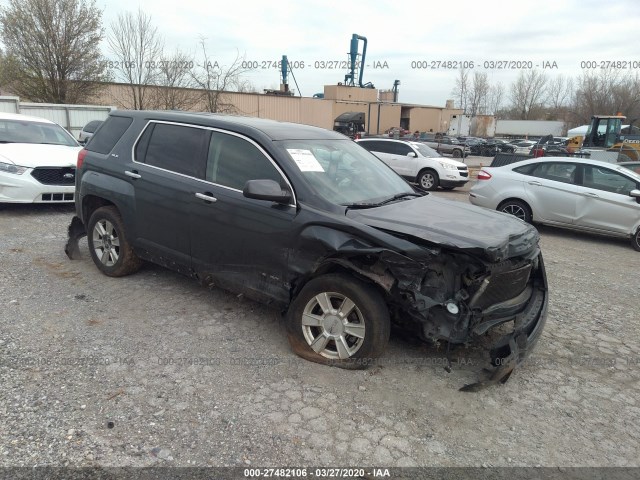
52	49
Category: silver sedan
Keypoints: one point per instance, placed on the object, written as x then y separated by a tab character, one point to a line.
582	194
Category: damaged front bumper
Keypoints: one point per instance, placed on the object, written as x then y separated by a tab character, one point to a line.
511	350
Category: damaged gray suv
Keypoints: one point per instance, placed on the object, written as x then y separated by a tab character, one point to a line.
307	220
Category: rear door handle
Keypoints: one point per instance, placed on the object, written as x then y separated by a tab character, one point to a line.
207	197
133	174
533	182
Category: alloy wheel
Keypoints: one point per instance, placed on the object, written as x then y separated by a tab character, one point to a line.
333	325
106	242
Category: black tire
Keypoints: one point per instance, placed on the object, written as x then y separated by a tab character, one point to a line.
107	237
428	179
330	332
517	208
457	153
635	240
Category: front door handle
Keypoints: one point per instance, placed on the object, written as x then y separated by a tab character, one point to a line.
132	174
591	194
533	182
207	197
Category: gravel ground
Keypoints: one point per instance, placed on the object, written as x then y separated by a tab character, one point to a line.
154	369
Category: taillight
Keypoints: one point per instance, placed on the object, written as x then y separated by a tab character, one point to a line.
483	175
81	154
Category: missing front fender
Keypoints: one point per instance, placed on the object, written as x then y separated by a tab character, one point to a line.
75	231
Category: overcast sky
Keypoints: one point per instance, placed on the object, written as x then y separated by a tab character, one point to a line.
531	32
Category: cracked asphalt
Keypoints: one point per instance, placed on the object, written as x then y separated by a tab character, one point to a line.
154	369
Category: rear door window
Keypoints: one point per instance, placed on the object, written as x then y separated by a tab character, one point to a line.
556	171
377	146
176	148
398	148
113	128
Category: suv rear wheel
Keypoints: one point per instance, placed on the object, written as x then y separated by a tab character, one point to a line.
108	244
338	320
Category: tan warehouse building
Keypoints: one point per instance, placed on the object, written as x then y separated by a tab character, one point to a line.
381	113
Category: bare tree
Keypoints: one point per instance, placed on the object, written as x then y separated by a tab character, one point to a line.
527	93
460	91
495	98
137	48
606	93
559	92
52	49
175	81
477	94
217	80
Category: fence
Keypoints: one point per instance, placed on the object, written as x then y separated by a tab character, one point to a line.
71	117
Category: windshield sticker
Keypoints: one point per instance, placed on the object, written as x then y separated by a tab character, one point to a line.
305	160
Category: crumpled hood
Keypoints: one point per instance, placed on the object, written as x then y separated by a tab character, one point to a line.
447	223
34	155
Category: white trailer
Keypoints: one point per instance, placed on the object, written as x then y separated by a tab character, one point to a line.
459	125
527	128
483	126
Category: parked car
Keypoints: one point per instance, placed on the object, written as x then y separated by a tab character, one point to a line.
490	147
633	166
309	221
502	145
401	132
582	194
37	160
449	145
523	146
418	163
88	130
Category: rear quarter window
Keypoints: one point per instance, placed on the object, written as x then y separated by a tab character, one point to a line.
109	134
526	169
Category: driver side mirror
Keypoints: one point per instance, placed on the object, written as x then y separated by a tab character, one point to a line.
635	194
269	190
412	155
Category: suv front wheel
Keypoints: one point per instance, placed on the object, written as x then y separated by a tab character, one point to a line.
428	179
338	320
110	250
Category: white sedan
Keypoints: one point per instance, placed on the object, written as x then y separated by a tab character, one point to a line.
582	194
37	160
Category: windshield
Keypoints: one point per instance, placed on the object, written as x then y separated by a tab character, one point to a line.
20	131
342	172
426	151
